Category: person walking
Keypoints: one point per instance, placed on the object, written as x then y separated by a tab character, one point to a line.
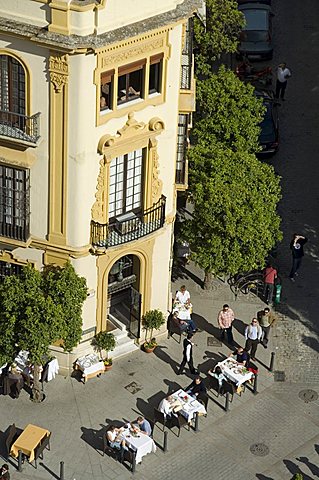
253	333
266	320
296	246
269	276
225	319
4	472
283	73
187	355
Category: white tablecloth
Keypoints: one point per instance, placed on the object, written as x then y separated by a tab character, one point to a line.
90	364
142	445
234	371
189	405
53	369
183	311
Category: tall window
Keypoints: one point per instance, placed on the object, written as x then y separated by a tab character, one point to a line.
14	203
12	85
155	80
125	193
181	147
106	97
130	82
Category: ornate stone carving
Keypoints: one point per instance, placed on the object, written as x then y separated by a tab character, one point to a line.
98	209
120	57
59	71
157	184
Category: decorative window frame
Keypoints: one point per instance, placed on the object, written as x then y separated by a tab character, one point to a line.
132	136
119	55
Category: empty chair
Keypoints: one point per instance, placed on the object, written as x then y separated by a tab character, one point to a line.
159	417
203	399
179	421
11	438
214	385
38	453
46	441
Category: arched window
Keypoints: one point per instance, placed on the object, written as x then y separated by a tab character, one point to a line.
12	85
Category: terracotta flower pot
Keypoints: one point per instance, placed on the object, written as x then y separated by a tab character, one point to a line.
149	349
107	367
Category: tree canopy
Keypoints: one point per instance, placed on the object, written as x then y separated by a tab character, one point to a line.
39	308
220	35
234	223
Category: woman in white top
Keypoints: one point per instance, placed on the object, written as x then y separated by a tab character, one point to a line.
183	296
116	440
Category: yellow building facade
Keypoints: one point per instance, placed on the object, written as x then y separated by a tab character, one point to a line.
96	98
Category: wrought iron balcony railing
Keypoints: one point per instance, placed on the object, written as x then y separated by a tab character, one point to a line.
128	227
20	127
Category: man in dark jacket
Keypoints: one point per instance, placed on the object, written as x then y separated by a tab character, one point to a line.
196	388
187	355
296	246
4	472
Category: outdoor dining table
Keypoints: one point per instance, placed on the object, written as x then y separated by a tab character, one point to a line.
189	405
234	371
90	365
142	444
183	311
28	441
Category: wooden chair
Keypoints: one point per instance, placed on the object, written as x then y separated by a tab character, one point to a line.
11	438
203	399
159	417
107	447
179	421
214	385
38	453
228	388
175	327
46	442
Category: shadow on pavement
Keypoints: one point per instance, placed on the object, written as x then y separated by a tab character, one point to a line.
54	475
94	438
293	469
312	467
260	476
160	353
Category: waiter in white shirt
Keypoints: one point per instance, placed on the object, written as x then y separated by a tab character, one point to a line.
183	296
283	73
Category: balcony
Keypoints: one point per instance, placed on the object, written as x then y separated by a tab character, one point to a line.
128	227
21	128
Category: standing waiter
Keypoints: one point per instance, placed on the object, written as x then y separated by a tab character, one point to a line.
187	355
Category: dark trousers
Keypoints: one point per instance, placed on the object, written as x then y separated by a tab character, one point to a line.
190	364
251	344
268	292
280	89
296	262
229	333
265	338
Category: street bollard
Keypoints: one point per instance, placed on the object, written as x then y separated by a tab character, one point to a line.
278	293
255	384
196	422
165	442
227	402
20	461
61	470
272	362
134	462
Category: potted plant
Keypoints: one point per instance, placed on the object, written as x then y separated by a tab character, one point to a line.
151	320
105	341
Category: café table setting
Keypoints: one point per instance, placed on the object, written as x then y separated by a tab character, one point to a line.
234	371
183	311
28	441
189	405
90	366
141	443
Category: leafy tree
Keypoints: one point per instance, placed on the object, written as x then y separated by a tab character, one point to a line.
234	222
220	35
228	111
36	311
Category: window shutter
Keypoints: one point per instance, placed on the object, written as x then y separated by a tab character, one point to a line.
106	77
132	67
156	58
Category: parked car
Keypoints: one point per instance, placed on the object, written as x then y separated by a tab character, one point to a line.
269	135
256	38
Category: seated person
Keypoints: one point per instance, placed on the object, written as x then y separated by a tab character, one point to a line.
116	440
142	425
103	103
16	381
185	325
217	373
4	472
169	406
241	356
183	296
196	388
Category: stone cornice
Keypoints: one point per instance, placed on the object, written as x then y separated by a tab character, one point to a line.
70	43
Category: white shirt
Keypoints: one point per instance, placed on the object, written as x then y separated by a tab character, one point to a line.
182	297
165	407
253	332
282	74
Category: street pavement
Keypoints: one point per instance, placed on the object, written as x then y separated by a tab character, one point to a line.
277	420
281	422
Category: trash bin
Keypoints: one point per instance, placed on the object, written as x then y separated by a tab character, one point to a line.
278	293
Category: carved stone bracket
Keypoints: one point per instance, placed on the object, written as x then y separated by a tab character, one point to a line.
59	71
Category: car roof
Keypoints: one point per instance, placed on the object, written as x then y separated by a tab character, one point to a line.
254	6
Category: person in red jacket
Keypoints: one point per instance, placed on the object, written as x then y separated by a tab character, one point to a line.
270	275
